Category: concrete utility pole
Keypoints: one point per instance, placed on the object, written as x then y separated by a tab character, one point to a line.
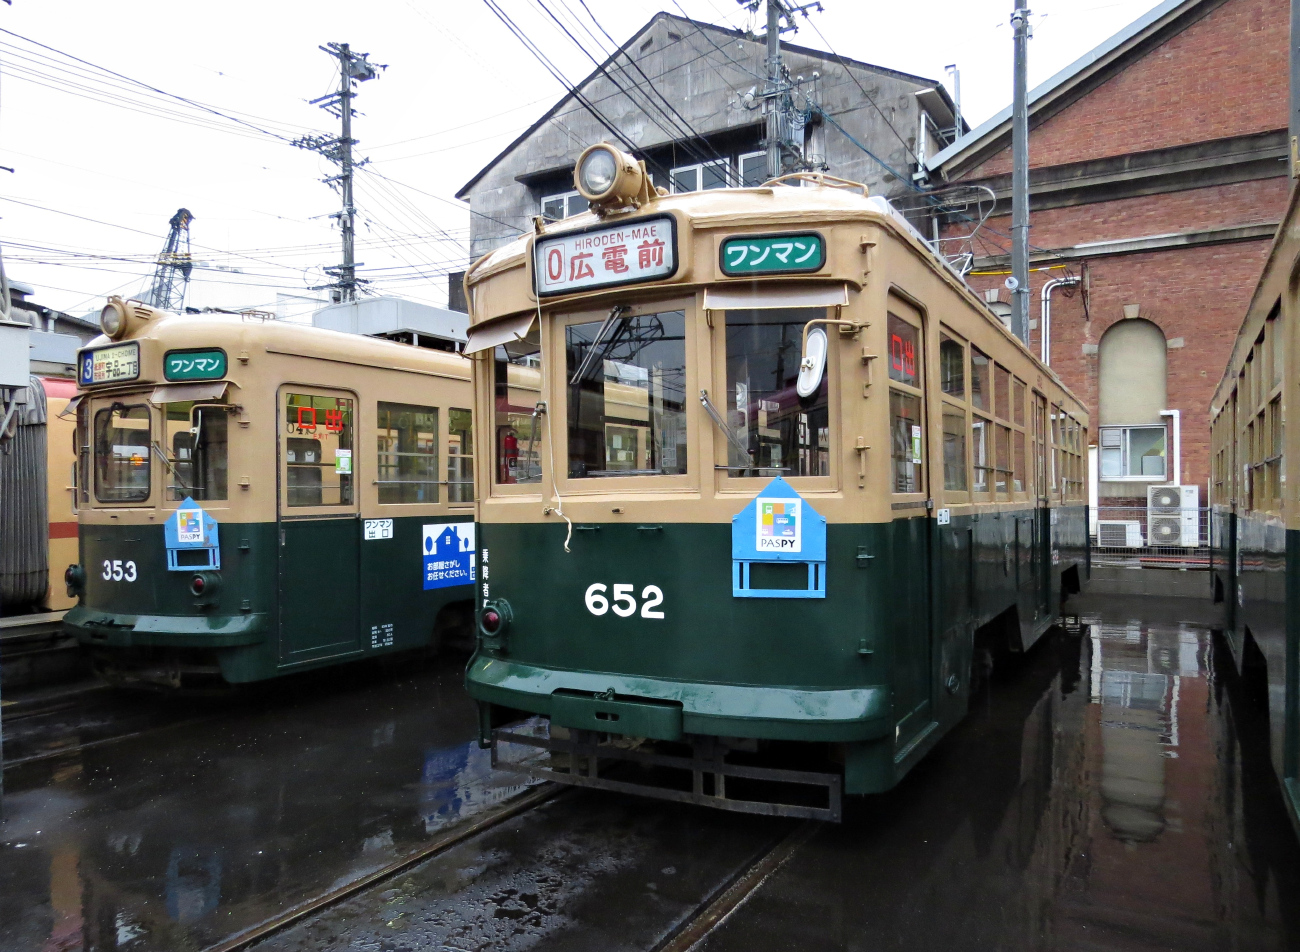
1295	89
774	11
1019	282
353	68
777	100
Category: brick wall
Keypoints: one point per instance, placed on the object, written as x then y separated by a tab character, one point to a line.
1198	294
1225	75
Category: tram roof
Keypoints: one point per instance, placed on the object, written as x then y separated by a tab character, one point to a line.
290	339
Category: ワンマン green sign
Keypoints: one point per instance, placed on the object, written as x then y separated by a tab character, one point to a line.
773	254
194	365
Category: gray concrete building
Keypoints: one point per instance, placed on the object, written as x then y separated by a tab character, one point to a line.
876	126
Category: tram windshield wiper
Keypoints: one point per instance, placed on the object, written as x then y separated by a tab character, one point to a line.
595	352
170	468
713	413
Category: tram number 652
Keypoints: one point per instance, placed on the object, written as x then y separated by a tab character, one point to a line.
118	571
624	606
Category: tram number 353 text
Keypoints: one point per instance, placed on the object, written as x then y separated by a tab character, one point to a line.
119	571
624	600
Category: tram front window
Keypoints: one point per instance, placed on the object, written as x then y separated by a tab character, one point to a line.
626	395
196	451
122	449
516	391
782	432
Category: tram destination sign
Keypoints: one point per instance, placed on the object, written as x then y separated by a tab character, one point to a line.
773	254
606	256
109	364
194	365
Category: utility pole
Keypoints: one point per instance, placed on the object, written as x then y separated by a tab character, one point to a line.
1019	280
353	68
1295	89
778	103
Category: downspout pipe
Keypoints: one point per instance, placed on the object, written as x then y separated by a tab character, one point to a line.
1178	444
1045	316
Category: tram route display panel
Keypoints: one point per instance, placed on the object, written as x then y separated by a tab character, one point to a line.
110	364
606	256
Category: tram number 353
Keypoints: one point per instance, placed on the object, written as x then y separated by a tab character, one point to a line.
624	600
118	571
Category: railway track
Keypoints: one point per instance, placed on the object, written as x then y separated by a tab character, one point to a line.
34	650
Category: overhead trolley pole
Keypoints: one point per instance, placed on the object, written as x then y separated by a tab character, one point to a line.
353	68
1019	281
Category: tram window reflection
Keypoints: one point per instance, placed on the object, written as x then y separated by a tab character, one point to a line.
408	453
626	379
123	435
1002	449
196	445
906	443
516	391
318	450
460	456
954	449
952	367
783	433
981	384
983	465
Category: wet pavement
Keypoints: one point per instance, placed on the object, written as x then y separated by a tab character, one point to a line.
183	833
1112	791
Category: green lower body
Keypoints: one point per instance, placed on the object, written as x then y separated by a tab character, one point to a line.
1255	572
879	669
288	597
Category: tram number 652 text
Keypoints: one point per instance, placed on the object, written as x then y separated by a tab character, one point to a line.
118	571
624	603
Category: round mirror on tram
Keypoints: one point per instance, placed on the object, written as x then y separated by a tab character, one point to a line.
813	363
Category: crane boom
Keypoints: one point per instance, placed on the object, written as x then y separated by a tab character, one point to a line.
172	275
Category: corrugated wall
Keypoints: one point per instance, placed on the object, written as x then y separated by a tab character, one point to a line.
24	509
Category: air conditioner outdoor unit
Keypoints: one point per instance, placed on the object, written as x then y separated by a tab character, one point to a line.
1119	533
1173	515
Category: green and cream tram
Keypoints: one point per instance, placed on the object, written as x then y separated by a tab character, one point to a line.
1254	514
768	477
257	498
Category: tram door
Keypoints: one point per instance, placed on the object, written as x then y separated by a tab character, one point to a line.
320	540
913	628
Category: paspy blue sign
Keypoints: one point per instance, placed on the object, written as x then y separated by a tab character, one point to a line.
448	550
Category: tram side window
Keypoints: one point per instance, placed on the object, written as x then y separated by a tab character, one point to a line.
122	449
1002	450
782	432
460	456
983	464
906	442
318	450
981	381
626	408
952	367
408	453
517	428
196	445
954	448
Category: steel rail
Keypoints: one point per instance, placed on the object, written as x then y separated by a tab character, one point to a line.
454	837
732	893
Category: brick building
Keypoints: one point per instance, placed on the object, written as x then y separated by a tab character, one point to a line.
1158	176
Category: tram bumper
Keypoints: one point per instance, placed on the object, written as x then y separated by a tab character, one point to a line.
667	710
94	628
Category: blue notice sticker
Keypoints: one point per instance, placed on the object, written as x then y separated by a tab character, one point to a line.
448	552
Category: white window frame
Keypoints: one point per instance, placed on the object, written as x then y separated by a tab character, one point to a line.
740	167
1124	448
698	168
567	196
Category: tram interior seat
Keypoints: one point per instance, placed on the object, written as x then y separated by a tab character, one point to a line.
304	471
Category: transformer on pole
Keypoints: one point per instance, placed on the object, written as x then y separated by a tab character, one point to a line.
171	275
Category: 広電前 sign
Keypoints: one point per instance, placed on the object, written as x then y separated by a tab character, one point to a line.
773	254
642	250
194	365
109	364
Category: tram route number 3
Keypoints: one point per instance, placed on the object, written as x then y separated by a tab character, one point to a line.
116	570
624	601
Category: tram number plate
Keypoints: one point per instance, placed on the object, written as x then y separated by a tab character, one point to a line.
624	600
378	529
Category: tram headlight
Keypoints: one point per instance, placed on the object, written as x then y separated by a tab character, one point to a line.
74	577
112	319
609	178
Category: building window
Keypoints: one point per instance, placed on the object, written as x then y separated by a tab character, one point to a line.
563	205
753	169
1132	452
699	178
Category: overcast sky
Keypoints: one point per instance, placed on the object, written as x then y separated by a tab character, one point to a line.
102	164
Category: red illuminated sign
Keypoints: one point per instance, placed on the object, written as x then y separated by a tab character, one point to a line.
902	356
